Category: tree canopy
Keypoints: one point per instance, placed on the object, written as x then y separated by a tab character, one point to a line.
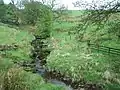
99	13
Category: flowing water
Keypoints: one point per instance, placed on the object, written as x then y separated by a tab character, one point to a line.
55	78
42	71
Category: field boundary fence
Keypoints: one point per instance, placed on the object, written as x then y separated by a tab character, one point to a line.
105	49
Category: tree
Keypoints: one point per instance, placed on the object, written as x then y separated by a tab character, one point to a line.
1	2
97	13
45	22
2	9
59	12
11	16
9	13
58	9
32	12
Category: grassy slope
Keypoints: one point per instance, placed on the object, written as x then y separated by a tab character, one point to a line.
105	39
63	25
70	58
12	76
75	13
10	36
73	59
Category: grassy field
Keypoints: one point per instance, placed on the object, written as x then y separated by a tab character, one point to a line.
63	25
74	59
11	37
75	13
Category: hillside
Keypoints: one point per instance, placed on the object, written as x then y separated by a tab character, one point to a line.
46	47
73	59
15	48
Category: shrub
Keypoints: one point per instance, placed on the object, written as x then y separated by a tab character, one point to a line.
17	79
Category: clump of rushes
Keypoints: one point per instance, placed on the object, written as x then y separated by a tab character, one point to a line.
18	79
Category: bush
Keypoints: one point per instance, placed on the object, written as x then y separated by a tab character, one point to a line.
17	79
44	24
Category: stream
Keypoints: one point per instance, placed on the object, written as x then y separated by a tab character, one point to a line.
39	61
42	71
58	79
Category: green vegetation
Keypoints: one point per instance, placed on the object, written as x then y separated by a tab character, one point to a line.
13	37
75	13
32	32
12	76
77	61
63	25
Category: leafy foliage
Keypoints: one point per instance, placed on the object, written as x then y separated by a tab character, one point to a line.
9	14
44	24
32	12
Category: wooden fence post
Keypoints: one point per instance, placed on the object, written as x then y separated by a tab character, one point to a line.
99	48
88	46
109	51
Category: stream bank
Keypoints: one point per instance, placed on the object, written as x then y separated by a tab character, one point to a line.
39	56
